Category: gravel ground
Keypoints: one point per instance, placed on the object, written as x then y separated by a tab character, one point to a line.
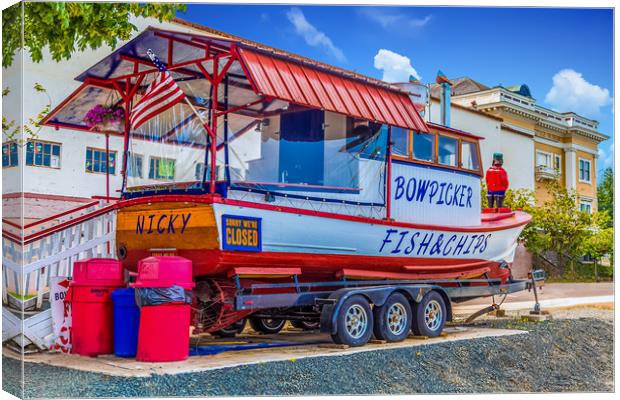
573	354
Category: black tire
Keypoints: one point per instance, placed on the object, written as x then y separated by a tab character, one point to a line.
267	326
393	319
354	322
232	330
306	325
433	304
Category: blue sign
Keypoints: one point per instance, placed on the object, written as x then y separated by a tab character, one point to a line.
241	233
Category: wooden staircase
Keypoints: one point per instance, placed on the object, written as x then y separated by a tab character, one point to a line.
34	253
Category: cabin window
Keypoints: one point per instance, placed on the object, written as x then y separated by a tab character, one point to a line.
9	154
161	169
424	146
469	156
400	141
448	151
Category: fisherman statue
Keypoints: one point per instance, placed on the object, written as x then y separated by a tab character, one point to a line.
497	182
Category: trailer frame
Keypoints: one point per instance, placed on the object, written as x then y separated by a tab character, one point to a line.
331	295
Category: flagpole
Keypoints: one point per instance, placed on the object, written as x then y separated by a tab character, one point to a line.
204	123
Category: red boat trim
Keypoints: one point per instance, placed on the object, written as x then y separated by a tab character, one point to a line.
360	273
264	271
521	218
452	266
496	217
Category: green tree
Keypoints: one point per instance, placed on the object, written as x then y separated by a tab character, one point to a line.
561	225
605	194
67	27
10	128
600	242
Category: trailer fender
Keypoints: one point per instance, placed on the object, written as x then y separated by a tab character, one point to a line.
376	295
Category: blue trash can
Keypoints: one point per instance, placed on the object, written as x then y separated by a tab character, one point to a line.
126	322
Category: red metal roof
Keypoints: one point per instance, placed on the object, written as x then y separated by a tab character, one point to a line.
318	88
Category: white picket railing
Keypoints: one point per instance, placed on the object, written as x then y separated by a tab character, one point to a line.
42	251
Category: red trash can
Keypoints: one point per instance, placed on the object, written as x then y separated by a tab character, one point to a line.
164	329
90	293
164	333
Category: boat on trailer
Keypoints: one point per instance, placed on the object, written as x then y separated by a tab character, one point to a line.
283	176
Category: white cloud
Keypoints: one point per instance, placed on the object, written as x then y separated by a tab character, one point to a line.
570	92
389	19
396	67
606	157
311	35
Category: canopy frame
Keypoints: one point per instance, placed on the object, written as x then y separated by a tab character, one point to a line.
215	50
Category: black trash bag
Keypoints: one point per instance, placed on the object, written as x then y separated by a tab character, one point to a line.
159	296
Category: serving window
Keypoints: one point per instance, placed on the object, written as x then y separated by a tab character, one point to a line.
447	150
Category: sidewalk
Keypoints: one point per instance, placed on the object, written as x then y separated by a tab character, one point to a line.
551	295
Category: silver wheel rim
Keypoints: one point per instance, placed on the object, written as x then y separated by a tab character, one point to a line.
433	315
356	321
273	323
397	319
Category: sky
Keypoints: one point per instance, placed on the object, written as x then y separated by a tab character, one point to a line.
565	56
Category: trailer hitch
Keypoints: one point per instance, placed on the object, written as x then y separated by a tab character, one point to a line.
479	313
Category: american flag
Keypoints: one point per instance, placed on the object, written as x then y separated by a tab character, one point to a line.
161	94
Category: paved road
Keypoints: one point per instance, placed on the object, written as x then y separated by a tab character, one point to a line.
557	291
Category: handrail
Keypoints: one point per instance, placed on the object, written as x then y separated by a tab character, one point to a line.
68	224
12	237
13	224
62	214
51	230
50	218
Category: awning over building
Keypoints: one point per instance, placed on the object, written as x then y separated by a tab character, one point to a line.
317	88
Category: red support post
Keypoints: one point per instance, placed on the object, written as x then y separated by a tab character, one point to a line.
107	167
127	107
388	180
216	83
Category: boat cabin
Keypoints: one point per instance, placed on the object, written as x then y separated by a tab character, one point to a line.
270	127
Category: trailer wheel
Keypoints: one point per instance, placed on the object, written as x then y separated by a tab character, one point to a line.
354	322
267	325
393	319
232	330
306	325
429	315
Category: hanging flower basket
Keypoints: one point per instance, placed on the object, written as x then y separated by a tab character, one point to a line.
105	117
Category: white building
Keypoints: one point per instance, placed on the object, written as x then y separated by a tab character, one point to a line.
58	177
498	137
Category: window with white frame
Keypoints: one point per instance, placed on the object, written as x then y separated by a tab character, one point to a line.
585	205
549	161
585	170
134	165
